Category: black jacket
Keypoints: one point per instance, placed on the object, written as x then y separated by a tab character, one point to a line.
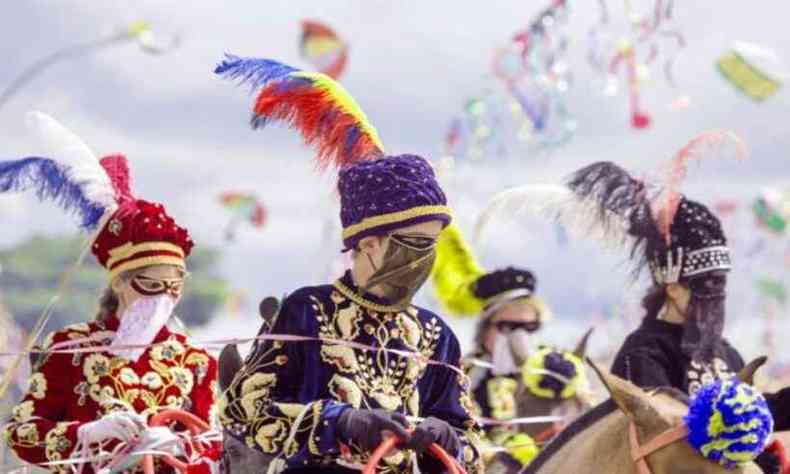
651	357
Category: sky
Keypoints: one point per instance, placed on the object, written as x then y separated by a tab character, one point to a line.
412	66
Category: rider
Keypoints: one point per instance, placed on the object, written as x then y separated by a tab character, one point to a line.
509	314
679	343
327	400
106	394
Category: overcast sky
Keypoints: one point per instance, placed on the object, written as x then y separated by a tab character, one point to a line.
412	65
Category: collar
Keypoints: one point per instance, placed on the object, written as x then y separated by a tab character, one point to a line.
346	286
655	325
113	322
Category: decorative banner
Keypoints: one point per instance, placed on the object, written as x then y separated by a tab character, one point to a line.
138	31
633	50
772	289
528	105
754	70
772	210
244	207
323	49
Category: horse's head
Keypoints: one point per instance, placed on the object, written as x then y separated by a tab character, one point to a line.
700	435
237	457
555	383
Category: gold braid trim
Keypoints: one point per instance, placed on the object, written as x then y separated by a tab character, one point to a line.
393	217
311	444
356	298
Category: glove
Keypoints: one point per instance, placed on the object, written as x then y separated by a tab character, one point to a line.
120	425
433	430
367	427
772	459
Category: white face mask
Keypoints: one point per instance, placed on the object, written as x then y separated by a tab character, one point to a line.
502	357
519	345
140	323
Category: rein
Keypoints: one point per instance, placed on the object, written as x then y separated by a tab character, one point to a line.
639	452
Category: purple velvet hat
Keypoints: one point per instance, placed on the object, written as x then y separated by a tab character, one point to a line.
389	193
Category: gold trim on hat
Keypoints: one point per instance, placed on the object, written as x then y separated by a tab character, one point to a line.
129	249
393	217
147	262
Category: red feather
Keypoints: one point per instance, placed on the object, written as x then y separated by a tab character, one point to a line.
117	169
312	112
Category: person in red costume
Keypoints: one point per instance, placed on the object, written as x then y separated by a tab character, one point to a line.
105	396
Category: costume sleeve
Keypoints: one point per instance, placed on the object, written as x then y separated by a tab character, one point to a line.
779	404
445	395
643	367
203	396
272	404
38	431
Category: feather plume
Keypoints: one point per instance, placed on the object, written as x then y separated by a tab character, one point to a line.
454	272
325	114
75	158
50	181
558	203
705	145
117	169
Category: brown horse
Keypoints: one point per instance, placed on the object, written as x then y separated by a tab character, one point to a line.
530	404
599	442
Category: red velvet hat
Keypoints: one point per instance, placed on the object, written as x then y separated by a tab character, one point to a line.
140	233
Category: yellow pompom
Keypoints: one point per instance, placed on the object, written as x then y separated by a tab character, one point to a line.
522	447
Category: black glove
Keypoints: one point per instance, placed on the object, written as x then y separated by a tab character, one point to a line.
367	427
433	430
769	463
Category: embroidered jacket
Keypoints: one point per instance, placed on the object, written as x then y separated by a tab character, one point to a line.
67	390
288	396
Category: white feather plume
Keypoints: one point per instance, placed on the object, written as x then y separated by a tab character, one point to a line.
82	165
581	218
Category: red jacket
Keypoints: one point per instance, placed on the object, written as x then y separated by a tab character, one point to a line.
66	390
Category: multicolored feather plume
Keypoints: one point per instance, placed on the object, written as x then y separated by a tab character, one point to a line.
454	272
73	178
326	115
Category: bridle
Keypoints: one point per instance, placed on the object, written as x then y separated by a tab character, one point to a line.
639	453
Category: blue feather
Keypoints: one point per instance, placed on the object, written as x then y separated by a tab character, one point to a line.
51	183
253	71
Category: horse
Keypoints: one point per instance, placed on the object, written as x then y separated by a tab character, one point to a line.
633	424
530	404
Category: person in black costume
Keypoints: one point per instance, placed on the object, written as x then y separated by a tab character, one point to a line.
679	343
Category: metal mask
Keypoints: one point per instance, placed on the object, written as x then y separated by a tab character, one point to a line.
405	267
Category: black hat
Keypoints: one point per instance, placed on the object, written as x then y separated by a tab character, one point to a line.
694	243
516	282
697	245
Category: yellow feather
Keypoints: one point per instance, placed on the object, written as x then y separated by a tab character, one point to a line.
454	271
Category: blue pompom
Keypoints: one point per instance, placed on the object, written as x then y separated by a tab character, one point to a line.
729	423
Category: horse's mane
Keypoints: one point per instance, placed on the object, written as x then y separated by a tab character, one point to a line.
583	422
579	425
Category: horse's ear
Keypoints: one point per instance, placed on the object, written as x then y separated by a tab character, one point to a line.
229	365
746	374
581	347
632	400
269	308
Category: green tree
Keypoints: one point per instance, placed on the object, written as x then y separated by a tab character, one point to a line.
32	270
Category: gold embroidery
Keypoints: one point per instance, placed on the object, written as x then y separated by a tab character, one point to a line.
345	390
502	397
37	386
